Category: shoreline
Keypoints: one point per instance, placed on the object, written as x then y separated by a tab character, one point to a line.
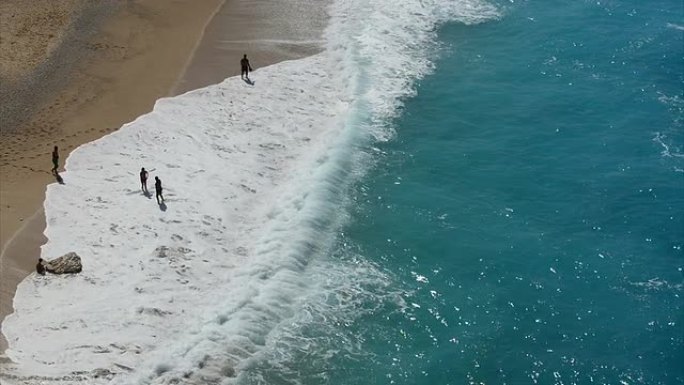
209	51
155	274
253	28
13	269
96	101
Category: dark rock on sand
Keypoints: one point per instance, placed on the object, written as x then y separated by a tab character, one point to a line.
69	263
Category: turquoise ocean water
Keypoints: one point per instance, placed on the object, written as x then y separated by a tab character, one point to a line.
524	224
529	212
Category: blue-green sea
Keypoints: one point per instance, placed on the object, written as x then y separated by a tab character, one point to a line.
529	211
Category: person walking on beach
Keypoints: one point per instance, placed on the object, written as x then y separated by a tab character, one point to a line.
55	159
244	65
158	189
143	180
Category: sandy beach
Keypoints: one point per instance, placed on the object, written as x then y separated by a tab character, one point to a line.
141	51
72	72
256	28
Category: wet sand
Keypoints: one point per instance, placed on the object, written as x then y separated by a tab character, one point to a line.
15	266
261	30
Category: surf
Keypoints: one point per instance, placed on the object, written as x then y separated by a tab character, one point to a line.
220	283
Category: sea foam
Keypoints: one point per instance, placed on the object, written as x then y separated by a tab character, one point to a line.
222	276
237	162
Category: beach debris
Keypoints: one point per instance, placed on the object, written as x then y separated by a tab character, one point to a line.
69	263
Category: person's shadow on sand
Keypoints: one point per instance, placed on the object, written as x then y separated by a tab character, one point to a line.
162	206
147	194
58	177
249	81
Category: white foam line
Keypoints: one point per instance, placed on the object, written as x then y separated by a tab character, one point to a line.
675	26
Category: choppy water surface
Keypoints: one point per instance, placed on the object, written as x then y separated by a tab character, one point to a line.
529	213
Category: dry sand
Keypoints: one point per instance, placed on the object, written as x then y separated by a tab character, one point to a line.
139	53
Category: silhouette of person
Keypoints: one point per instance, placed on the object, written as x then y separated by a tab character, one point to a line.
55	159
244	65
143	180
158	189
40	268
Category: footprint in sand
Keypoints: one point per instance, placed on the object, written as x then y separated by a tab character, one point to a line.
208	220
